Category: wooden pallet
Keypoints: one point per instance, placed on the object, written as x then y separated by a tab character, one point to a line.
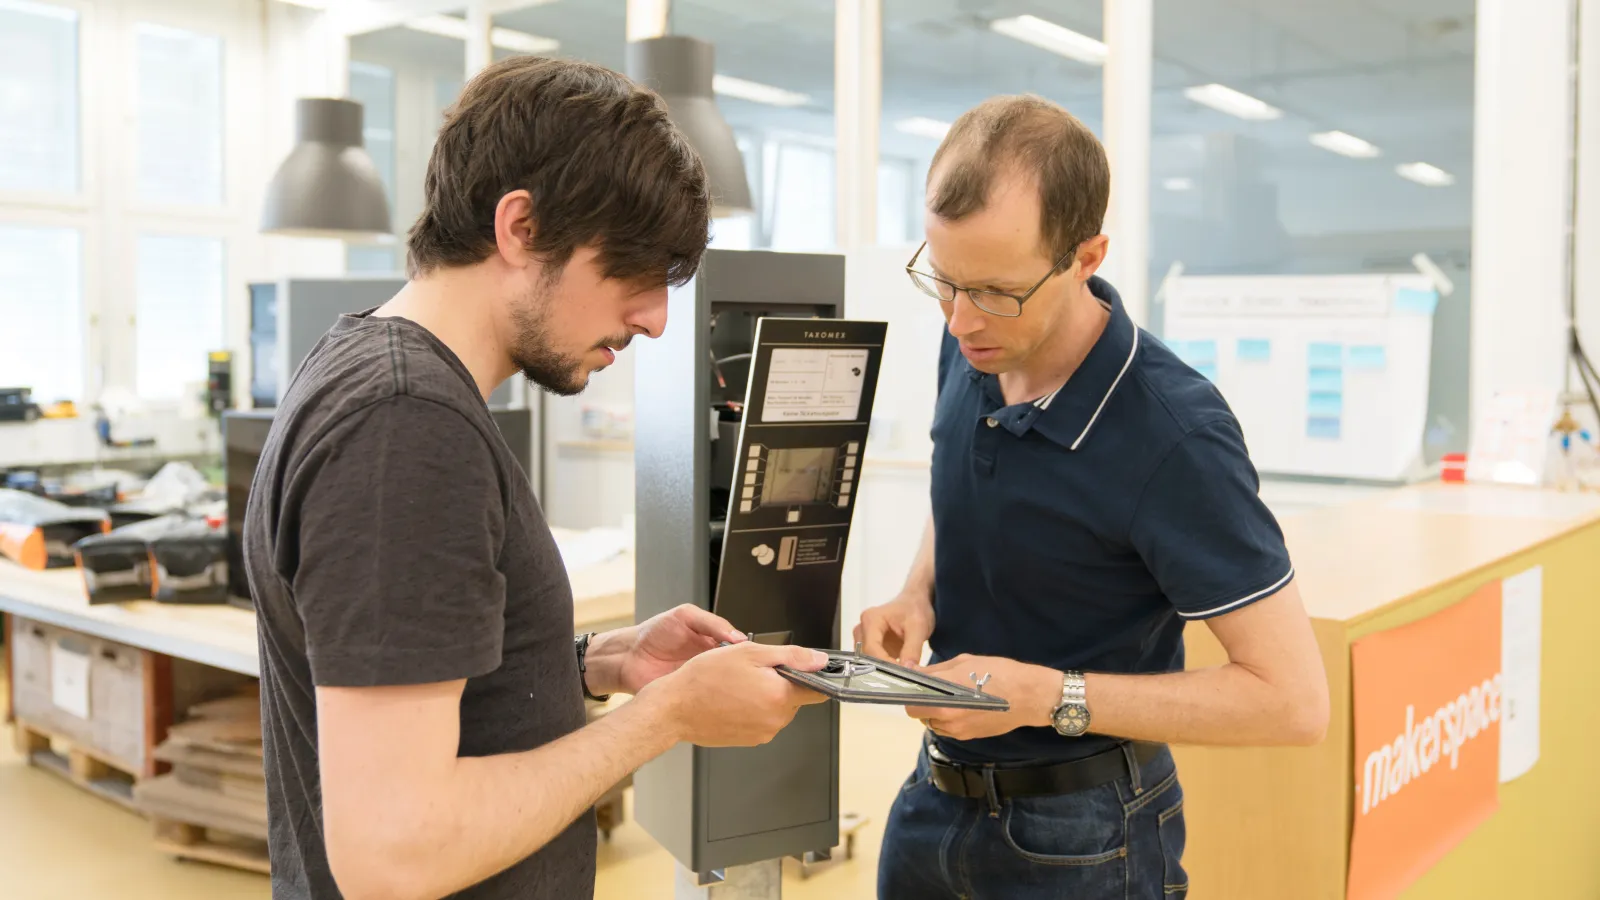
194	842
82	766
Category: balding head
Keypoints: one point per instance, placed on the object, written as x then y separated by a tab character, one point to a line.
1028	137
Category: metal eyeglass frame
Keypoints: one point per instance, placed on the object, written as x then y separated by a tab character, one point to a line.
972	293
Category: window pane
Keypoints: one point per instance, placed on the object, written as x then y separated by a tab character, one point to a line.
372	86
895	202
41	306
775	89
180	117
445	92
939	62
802	216
372	260
1302	174
179	313
38	97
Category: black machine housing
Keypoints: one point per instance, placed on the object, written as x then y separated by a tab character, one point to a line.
716	808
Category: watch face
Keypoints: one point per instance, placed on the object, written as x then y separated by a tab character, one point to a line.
1072	720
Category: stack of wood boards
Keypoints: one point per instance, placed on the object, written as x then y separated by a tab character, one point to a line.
213	804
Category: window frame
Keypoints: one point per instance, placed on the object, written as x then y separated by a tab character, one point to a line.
88	141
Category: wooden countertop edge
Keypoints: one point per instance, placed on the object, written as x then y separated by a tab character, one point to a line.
1474	573
1381	505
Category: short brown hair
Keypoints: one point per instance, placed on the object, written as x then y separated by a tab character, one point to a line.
603	162
1031	135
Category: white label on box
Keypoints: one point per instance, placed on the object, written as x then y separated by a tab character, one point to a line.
69	680
815	385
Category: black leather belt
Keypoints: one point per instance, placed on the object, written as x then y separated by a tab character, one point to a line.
971	780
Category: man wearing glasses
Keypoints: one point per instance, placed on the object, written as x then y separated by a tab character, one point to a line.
1091	494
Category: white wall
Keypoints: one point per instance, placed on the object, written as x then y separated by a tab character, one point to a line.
1587	198
270	55
1521	190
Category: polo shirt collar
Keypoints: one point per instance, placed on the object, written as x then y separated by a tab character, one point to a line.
1069	413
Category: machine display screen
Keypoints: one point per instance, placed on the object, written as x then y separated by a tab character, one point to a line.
798	475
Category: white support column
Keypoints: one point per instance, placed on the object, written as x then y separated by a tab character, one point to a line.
857	107
757	881
1522	145
1127	138
480	44
1587	190
647	19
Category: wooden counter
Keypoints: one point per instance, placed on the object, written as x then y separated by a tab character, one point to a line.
1275	823
225	637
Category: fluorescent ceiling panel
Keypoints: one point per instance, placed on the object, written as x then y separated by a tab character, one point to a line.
921	126
1057	39
756	92
1425	174
1344	144
1235	103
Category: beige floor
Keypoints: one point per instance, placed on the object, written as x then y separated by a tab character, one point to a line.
60	843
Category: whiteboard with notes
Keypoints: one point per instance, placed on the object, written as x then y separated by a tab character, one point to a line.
1328	374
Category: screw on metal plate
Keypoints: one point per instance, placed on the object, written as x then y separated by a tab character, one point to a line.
858	648
978	682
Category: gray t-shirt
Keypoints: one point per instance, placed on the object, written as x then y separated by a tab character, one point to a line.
392	538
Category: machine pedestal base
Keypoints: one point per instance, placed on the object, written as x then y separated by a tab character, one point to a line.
757	881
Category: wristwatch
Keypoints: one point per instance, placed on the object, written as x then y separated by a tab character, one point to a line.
581	645
1071	718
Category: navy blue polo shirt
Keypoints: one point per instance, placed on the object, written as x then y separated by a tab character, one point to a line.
1082	529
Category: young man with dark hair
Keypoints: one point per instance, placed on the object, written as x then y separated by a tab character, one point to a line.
1091	494
422	691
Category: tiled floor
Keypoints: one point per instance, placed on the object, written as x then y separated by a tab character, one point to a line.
60	843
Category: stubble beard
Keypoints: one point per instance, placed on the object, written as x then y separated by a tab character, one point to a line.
541	363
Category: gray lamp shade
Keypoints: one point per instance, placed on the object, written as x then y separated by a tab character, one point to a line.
328	186
680	69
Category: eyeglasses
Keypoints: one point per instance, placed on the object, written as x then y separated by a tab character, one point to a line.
993	302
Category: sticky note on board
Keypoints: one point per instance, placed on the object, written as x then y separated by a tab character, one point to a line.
1325	380
1253	350
1415	301
1322	427
1368	356
1198	353
1325	404
1326	355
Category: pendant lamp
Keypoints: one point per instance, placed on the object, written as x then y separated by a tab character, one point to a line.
328	186
680	69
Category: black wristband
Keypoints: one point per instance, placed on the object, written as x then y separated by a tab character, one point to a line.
581	645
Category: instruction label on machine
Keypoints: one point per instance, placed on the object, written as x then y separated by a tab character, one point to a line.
815	384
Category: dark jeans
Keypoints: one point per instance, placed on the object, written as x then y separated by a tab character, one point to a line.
1121	840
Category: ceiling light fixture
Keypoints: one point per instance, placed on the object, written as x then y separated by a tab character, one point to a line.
504	38
922	126
1345	144
756	92
1050	36
1425	174
1178	184
1227	100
